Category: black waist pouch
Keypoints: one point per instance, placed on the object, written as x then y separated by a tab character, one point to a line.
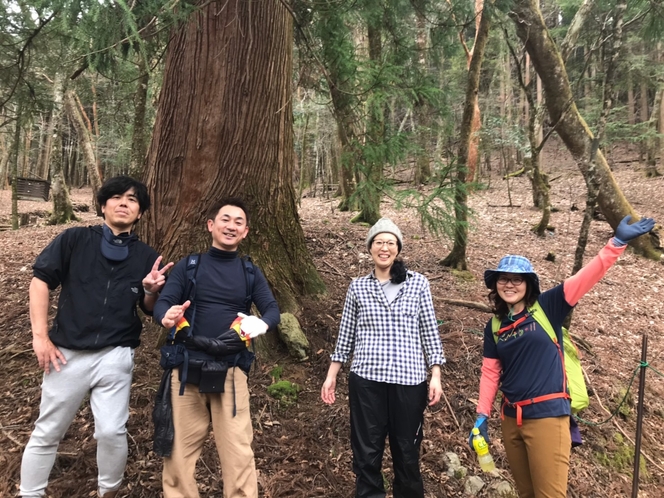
208	375
213	377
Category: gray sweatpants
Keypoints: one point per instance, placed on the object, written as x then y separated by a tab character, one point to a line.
105	374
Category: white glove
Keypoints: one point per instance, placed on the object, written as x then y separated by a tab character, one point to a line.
252	325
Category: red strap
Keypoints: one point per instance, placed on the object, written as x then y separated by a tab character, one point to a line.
512	326
526	402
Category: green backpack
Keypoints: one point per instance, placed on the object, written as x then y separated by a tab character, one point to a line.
576	384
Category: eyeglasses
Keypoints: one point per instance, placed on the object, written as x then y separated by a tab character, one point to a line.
516	281
378	244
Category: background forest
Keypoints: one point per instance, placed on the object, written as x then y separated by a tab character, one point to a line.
455	117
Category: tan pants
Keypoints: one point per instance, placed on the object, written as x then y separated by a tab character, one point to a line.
538	454
192	413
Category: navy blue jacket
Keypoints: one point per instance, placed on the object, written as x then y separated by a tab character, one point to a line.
220	293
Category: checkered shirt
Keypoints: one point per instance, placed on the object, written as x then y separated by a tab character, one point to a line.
389	341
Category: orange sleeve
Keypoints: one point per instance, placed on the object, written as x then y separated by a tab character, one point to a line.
491	368
578	285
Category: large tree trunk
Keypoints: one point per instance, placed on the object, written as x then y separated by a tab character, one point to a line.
224	128
85	142
457	258
565	116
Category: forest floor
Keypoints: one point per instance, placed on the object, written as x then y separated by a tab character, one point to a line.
303	450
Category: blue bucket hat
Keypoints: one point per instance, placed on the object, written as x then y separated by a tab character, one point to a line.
512	264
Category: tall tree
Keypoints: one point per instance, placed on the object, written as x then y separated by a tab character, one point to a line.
457	257
373	157
62	207
568	122
224	128
86	142
338	58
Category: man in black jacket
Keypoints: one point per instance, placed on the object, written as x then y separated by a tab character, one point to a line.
215	388
103	272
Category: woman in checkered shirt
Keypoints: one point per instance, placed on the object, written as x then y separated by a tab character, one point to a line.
389	326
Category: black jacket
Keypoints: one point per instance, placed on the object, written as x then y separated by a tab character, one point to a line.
97	305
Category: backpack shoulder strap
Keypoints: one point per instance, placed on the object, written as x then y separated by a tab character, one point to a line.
541	318
495	327
189	292
191	272
249	277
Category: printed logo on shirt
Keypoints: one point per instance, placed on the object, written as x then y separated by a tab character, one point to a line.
518	332
134	290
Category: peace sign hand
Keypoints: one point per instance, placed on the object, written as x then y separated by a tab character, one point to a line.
155	280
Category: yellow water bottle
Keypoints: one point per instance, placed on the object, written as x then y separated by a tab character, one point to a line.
482	450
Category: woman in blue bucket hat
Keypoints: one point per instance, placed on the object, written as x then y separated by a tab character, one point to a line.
522	360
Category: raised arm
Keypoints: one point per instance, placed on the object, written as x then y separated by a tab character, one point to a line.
580	283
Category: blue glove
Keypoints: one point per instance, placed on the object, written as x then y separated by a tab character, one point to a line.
482	424
626	232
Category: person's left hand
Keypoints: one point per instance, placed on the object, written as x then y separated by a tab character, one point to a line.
435	390
252	325
625	232
155	280
482	424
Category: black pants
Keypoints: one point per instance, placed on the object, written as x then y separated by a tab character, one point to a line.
378	409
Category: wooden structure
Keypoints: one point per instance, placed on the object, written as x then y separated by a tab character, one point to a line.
32	189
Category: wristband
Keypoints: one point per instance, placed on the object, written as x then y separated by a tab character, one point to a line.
148	293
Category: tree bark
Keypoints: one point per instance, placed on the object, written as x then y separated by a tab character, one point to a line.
63	210
643	115
472	152
16	145
46	146
4	162
457	258
565	116
372	164
654	124
574	30
25	150
85	142
224	127
139	136
340	70
422	109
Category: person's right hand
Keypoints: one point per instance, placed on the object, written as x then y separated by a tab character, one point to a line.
327	391
174	314
626	232
482	424
47	353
